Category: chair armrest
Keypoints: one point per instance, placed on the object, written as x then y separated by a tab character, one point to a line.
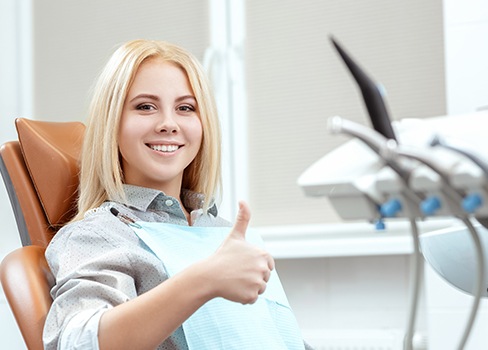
27	280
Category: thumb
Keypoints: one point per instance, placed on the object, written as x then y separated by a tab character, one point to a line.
242	221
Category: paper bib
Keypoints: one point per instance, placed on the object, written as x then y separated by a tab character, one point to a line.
268	324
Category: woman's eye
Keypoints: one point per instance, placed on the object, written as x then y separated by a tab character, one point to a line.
186	108
145	107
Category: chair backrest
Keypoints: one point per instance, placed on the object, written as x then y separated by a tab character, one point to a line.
40	172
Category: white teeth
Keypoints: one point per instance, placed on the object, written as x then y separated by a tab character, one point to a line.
164	148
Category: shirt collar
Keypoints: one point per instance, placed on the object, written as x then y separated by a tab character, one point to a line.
143	198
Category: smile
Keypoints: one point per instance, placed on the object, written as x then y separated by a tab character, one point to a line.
164	148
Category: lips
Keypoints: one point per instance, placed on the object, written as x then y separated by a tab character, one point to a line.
164	148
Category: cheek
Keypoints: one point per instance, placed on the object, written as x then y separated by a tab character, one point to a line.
128	127
126	136
124	153
123	137
193	131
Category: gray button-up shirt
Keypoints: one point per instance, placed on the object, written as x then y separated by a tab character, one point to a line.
99	263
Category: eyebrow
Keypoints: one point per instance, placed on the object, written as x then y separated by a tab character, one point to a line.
185	97
157	99
148	96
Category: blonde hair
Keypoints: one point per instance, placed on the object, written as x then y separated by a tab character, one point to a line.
101	176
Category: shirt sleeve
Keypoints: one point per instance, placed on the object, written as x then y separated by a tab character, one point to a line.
81	332
92	275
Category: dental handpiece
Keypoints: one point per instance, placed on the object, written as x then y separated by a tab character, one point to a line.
380	145
371	138
439	141
472	201
452	195
454	199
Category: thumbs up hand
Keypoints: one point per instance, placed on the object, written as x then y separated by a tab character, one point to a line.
242	221
241	269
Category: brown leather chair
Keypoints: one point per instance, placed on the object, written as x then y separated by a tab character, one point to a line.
40	172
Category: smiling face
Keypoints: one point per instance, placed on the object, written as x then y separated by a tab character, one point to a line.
160	129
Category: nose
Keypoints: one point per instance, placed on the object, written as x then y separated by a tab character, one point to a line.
167	124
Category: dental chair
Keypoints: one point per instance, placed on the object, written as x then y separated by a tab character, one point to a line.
40	172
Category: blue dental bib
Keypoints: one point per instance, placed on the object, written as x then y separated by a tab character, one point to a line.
268	324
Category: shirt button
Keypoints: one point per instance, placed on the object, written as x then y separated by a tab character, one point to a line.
168	202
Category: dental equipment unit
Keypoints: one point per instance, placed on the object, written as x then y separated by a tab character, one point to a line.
413	169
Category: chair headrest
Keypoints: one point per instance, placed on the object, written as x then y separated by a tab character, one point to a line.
51	151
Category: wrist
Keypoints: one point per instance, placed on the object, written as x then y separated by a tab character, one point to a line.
203	275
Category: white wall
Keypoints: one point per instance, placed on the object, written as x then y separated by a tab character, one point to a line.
466	55
362	292
14	101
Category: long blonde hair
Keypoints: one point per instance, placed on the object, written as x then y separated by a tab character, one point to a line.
101	176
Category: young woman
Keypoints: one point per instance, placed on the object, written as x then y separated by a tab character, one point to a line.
151	154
